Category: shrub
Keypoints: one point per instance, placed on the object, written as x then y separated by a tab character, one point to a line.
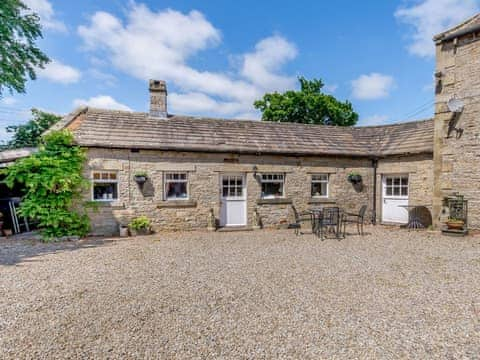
53	183
140	223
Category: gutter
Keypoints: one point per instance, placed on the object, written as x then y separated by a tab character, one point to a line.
374	205
457	34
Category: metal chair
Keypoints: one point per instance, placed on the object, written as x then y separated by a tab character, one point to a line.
299	219
351	218
329	220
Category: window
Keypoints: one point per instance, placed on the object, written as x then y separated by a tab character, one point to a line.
396	186
272	186
319	185
176	186
105	186
232	186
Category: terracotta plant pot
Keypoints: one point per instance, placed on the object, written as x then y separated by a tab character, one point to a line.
455	224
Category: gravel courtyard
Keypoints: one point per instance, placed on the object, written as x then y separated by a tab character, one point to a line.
266	294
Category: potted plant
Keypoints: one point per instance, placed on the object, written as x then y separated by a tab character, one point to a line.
140	226
140	177
354	178
455	224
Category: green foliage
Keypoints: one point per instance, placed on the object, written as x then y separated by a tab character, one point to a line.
28	135
53	182
141	174
140	223
19	57
308	106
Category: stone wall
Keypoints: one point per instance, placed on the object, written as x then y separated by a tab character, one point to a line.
204	180
456	160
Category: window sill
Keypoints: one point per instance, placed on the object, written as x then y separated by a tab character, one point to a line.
109	203
321	201
277	201
177	204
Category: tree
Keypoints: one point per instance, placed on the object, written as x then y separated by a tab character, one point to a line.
28	135
19	57
309	105
53	183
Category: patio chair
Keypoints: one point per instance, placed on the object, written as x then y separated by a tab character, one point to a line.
329	221
299	219
351	218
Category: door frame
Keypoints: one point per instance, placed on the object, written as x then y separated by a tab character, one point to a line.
393	197
223	222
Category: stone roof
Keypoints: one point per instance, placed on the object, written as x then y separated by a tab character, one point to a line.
7	157
122	129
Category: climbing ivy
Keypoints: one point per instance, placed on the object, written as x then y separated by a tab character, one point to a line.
53	184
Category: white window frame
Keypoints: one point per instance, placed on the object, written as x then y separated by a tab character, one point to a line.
272	181
400	186
320	181
167	181
104	181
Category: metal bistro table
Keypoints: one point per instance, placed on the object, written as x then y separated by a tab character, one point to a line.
414	221
319	222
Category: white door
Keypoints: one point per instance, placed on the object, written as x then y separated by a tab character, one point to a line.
233	199
395	195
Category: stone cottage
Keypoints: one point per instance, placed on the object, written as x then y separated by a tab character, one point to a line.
248	170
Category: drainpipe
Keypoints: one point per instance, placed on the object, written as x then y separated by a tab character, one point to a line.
374	207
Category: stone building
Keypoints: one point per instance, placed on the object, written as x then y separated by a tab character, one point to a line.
249	170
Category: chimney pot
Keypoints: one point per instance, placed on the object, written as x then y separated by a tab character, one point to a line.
158	98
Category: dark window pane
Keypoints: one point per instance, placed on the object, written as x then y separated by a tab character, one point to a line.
272	190
176	190
388	191
396	181
319	189
396	191
105	191
405	181
404	191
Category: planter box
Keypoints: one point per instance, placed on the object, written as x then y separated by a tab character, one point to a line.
140	232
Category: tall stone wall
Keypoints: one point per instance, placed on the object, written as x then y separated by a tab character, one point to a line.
456	158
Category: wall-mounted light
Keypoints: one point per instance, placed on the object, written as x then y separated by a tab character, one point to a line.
255	169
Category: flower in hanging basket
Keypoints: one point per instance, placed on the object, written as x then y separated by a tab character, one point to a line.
354	178
140	178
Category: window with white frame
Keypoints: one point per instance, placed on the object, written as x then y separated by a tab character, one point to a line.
272	186
176	186
319	185
105	186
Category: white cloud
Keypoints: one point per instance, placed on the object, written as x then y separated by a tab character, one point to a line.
45	11
57	72
431	17
260	66
102	102
160	45
8	101
372	86
373	120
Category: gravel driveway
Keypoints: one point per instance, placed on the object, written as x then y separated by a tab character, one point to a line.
265	294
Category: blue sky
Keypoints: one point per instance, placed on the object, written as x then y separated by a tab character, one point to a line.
219	56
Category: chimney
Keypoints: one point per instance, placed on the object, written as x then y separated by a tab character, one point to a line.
158	98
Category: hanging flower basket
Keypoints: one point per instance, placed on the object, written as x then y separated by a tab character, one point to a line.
140	178
354	178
